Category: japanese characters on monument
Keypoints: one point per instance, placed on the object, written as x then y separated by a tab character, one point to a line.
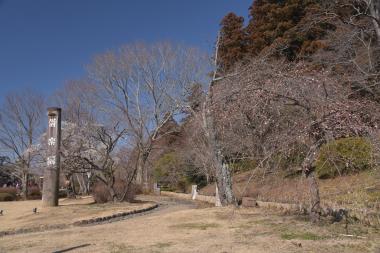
51	175
52	140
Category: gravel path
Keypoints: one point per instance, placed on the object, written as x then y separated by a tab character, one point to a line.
163	205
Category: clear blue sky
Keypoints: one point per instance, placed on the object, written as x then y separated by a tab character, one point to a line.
46	42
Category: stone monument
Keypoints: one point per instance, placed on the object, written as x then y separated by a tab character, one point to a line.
51	174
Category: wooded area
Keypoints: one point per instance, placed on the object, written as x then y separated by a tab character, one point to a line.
294	92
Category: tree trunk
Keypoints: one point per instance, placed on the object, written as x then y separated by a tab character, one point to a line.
223	173
112	193
146	188
227	181
307	169
70	187
144	175
81	183
72	181
140	168
25	186
374	9
315	207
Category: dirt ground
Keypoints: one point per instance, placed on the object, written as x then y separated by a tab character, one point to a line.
19	214
184	227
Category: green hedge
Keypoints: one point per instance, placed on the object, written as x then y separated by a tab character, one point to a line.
343	156
243	165
7	197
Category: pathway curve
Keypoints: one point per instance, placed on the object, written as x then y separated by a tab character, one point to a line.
163	205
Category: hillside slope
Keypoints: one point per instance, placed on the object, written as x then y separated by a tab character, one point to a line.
359	192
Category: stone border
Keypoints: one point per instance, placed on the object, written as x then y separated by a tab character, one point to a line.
87	222
114	216
203	198
33	230
368	218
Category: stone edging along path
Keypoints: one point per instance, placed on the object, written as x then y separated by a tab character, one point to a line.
114	216
87	222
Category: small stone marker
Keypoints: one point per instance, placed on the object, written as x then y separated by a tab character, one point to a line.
156	189
217	198
248	202
194	192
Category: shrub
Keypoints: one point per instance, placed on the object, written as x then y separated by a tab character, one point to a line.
34	193
343	156
62	193
289	159
243	165
101	193
7	197
172	173
10	190
8	194
120	187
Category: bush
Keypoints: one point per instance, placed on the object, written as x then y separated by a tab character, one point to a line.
34	193
243	165
7	197
343	156
290	159
62	193
170	172
10	190
8	194
101	192
120	187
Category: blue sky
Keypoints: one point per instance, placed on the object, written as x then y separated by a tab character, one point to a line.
43	43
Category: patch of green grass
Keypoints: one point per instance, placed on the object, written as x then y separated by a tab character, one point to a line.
302	236
241	226
162	245
264	221
200	226
7	197
121	248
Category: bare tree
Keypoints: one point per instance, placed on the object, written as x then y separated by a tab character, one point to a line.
272	107
78	99
196	146
208	141
222	172
92	148
20	126
105	166
354	45
147	85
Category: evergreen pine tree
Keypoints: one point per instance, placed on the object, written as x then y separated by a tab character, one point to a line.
232	44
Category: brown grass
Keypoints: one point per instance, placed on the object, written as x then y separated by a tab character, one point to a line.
357	191
180	229
19	214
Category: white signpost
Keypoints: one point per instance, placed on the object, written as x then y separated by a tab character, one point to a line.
51	174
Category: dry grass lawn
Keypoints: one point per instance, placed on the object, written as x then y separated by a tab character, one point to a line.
358	191
19	214
183	228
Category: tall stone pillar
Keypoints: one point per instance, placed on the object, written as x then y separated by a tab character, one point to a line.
51	174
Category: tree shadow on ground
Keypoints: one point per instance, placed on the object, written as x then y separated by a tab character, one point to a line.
72	248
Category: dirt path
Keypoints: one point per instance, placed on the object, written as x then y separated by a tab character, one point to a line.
18	216
182	226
